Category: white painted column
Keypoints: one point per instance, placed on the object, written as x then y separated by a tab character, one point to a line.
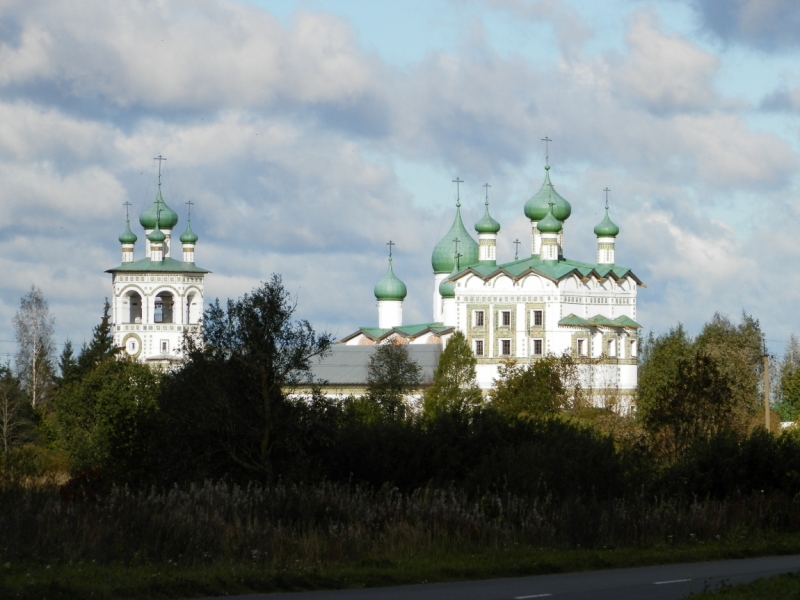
437	298
390	313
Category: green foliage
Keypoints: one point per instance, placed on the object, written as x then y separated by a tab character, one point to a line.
788	392
99	348
737	352
227	407
454	388
108	418
534	391
695	388
391	376
16	413
67	366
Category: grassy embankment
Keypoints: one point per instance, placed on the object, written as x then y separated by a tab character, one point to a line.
216	538
782	587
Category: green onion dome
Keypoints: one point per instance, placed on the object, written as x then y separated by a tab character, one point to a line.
128	237
487	224
189	236
390	287
550	224
606	227
156	236
537	207
447	289
159	211
442	258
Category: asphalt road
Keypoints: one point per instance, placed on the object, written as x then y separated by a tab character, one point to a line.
644	583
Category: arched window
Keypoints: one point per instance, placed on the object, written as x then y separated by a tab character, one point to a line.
163	308
194	308
134	308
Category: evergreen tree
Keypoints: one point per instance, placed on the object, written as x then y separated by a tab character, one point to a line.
454	387
67	365
391	376
101	345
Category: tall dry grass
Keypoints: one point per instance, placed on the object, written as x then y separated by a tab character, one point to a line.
291	525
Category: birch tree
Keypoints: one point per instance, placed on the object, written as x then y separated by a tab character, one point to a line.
33	327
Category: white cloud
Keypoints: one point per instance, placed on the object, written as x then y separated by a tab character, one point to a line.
241	105
666	73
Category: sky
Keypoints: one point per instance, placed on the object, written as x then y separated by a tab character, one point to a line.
309	133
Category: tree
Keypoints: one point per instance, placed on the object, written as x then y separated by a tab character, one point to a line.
529	392
226	404
67	366
33	328
788	405
683	394
101	345
737	352
391	376
107	419
15	423
454	387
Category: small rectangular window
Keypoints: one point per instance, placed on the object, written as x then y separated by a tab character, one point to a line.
633	348
505	318
611	348
164	346
478	318
505	347
582	347
537	347
538	318
478	347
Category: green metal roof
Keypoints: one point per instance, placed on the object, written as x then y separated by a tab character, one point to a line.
626	321
127	237
167	218
537	207
606	227
447	288
549	224
409	331
599	321
168	265
390	287
553	270
443	255
487	224
189	236
156	236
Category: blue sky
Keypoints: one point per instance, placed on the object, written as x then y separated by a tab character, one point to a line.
309	133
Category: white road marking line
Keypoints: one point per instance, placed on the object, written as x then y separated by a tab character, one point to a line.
673	581
534	596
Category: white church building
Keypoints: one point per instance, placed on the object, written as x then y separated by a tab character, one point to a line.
157	299
528	308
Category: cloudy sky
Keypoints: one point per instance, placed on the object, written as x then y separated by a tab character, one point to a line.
308	133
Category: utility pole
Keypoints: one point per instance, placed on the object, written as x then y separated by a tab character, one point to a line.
766	386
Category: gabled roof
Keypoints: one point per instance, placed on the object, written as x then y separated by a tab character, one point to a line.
168	265
550	269
572	320
349	365
377	334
